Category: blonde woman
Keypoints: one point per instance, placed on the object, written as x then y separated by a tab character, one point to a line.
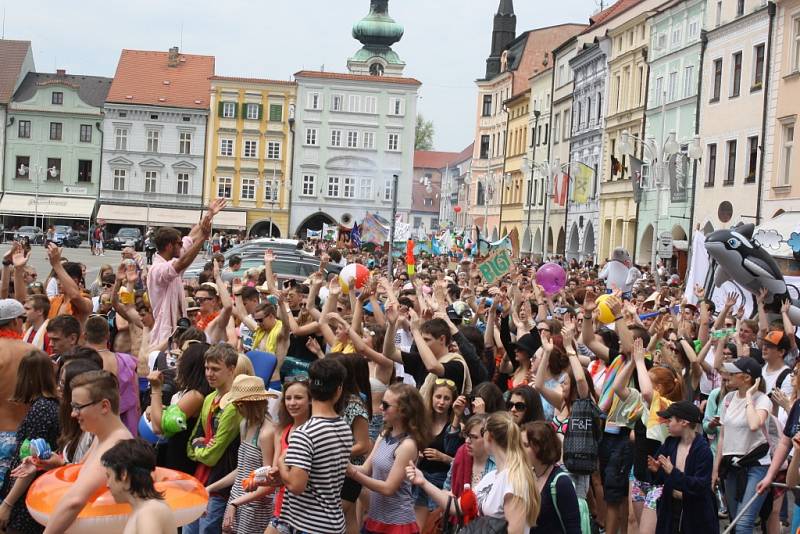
509	492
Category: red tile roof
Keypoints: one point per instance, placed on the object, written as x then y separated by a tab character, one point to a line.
356	77
240	79
12	56
610	12
145	77
464	154
428	159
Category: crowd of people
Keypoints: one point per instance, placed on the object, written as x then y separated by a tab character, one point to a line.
409	403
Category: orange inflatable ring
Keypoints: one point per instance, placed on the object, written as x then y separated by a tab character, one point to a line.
184	494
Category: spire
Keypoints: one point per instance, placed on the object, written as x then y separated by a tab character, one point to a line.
504	31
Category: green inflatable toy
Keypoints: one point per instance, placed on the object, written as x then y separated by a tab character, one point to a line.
173	420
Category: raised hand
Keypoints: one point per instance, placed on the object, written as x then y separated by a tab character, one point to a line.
589	301
132	275
638	350
730	300
20	258
334	289
269	256
699	291
53	254
749	393
391	313
216	206
416	322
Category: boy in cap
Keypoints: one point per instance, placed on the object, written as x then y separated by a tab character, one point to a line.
684	463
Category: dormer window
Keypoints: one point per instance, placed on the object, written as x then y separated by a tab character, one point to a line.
57	98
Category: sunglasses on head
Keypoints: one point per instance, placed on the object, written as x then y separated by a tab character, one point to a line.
445	382
302	378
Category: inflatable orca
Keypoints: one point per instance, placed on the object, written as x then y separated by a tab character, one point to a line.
742	260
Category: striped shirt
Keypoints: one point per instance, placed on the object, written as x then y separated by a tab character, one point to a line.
397	509
321	447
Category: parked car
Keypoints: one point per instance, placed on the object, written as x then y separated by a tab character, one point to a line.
66	236
287	266
253	248
32	234
126	237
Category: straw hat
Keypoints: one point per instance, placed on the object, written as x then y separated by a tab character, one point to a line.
246	388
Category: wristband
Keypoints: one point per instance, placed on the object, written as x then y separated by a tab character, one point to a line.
618	317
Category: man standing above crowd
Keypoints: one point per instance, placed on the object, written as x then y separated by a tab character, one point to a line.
164	284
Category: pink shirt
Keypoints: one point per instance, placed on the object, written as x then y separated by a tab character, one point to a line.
165	289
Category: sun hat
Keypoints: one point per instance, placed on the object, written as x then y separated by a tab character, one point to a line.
246	388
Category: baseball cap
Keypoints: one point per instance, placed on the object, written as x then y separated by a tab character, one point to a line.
777	338
685	410
10	309
743	365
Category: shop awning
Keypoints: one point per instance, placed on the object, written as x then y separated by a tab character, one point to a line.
47	206
229	220
148	216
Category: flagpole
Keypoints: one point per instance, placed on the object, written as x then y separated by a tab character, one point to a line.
395	178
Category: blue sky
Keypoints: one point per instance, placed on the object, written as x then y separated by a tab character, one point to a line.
445	43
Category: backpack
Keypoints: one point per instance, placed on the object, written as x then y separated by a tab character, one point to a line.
582	438
583	508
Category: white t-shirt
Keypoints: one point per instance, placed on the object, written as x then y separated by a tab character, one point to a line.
491	492
709	381
738	438
771	379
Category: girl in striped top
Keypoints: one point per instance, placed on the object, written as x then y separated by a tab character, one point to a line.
406	430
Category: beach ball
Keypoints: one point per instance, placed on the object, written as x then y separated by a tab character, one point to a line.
552	277
604	315
353	271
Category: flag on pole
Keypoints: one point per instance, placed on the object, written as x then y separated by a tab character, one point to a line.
355	236
561	188
410	263
373	230
583	175
636	178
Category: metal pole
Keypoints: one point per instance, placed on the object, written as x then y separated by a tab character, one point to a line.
395	178
486	181
271	201
530	183
659	178
36	200
546	187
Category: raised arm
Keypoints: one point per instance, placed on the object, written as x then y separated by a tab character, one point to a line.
330	306
81	305
555	396
568	334
428	358
19	259
389	348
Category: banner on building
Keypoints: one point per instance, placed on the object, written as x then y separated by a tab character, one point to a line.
636	178
583	176
313	234
678	170
373	230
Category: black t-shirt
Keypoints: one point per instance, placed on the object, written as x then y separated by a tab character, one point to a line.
297	345
414	366
792	421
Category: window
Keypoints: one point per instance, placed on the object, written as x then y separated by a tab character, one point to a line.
688	77
427	201
333	186
718	19
369	140
248	189
556	123
183	183
252	111
86	133
758	75
57	98
388	186
84	170
736	86
659	90
676	36
185	143
546	131
24	130
434	223
393	142
567	125
226	147
717	87
578	111
121	138
250	149
228	110
55	131
711	172
396	106
336	102
314	101
370	104
365	189
336	138
23	162
352	139
487	105
275	112
417	222
271	189
150	181
796	44
224	187
349	189
354	104
273	150
788	144
599	109
154	116
152	140
309	183
484	147
673	85
752	159
119	179
311	136
661	42
730	173
739	8
694	29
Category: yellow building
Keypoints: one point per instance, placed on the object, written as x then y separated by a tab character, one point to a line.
514	178
627	65
249	150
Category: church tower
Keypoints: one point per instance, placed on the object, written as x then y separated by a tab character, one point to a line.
377	32
504	31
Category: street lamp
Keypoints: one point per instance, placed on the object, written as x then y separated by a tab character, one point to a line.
37	169
659	156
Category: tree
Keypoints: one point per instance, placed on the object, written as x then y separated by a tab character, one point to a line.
423	135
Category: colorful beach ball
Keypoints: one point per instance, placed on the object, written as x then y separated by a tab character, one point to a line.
353	271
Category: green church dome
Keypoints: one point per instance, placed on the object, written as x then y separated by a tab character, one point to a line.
378	28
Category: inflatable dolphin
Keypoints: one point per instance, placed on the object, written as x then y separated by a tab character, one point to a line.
743	261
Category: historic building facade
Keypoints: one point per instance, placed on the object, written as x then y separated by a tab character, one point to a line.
154	142
16	60
427	189
249	150
512	185
52	156
539	123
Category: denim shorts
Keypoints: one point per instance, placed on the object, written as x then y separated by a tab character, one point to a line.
616	459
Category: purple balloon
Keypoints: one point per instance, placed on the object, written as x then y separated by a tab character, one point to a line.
552	278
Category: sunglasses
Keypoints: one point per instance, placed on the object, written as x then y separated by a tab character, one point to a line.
106	285
35	285
385	405
445	382
518	406
202	299
302	378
